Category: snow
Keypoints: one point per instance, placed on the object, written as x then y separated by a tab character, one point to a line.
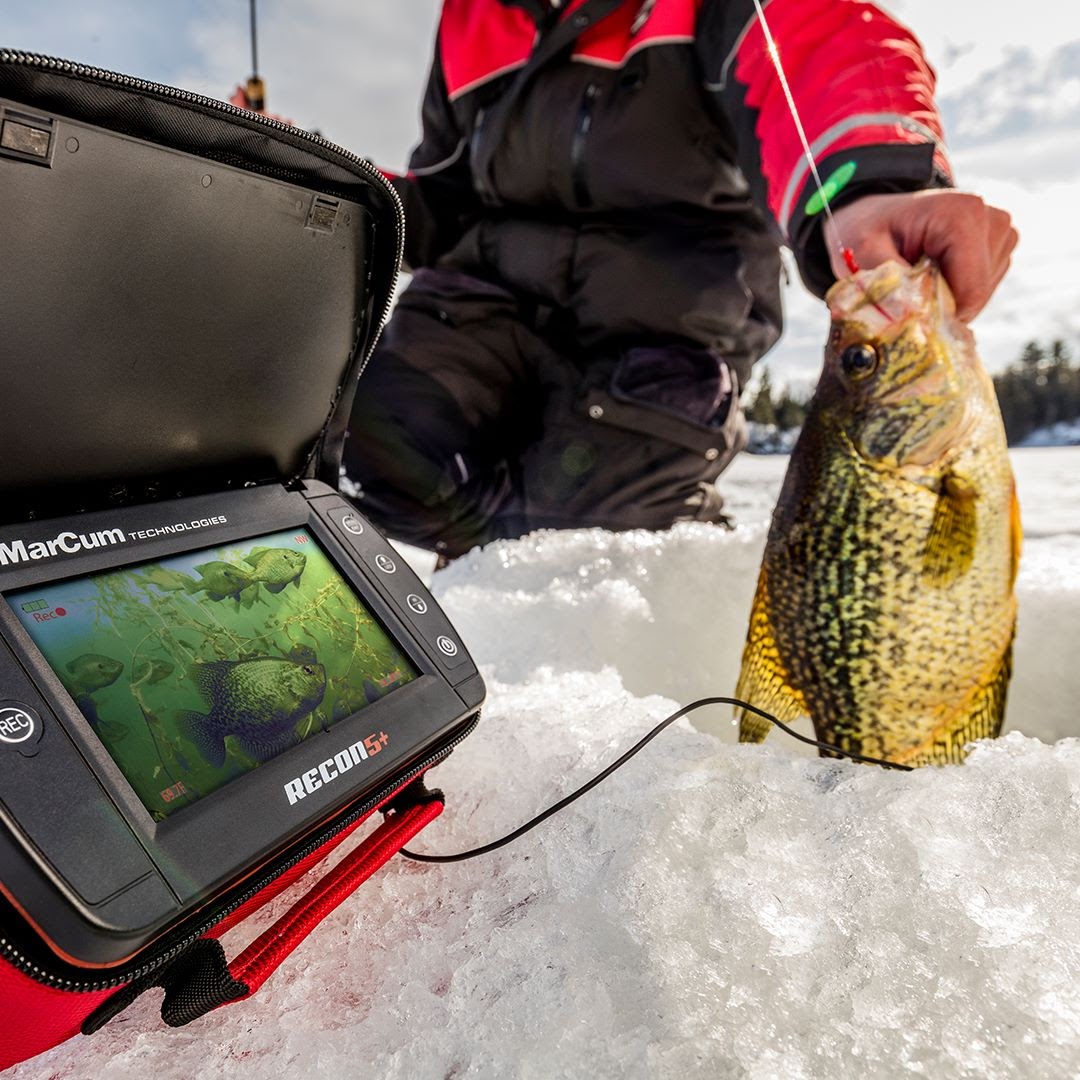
712	910
1063	433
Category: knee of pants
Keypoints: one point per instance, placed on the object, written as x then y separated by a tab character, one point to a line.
416	486
580	476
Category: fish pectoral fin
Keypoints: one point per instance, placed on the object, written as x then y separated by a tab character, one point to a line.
950	546
763	680
276	587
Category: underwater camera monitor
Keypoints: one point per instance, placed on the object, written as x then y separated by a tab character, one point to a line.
189	688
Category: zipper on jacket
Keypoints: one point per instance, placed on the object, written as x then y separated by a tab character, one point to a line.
582	127
171	93
11	954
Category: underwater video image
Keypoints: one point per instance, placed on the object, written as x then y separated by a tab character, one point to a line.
196	669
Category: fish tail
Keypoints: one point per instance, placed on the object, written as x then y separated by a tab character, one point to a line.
200	731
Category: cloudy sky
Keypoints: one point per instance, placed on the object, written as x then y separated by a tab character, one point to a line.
1009	87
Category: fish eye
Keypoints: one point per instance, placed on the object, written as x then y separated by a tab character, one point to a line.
308	669
859	361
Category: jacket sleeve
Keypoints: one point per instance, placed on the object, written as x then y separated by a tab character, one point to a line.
863	89
437	191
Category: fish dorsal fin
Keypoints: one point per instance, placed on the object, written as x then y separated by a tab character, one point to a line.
205	568
208	678
950	545
252	557
763	680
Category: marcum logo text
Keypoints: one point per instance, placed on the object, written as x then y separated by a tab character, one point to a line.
67	543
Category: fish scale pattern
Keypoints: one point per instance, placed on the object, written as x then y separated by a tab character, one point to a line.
885	606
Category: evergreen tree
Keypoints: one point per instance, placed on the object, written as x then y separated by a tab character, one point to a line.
1040	389
762	410
1032	356
789	412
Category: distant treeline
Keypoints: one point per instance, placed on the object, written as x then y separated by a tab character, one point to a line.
784	412
1041	388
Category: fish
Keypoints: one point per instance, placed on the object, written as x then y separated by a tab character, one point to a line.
257	701
302	654
91	672
221	581
166	580
885	606
276	567
249	597
151	671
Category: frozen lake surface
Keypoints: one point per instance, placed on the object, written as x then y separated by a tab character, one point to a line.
712	910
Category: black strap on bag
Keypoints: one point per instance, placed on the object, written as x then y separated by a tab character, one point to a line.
195	981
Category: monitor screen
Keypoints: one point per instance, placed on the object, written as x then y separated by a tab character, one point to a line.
196	669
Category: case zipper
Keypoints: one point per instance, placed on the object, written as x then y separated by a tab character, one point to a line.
142	86
11	954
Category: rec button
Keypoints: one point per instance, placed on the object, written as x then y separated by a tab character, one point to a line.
20	727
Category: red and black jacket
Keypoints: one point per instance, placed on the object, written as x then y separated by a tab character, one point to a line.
634	163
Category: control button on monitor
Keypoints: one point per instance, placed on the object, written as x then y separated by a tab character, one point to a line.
351	523
385	563
447	645
20	727
416	603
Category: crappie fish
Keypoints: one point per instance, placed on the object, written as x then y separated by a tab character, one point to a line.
91	672
258	701
885	606
167	580
276	567
221	581
151	671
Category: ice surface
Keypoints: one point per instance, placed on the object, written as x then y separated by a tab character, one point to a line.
712	910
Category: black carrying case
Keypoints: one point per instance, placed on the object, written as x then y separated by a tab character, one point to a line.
171	329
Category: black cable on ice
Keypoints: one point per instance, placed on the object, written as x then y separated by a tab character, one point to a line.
639	745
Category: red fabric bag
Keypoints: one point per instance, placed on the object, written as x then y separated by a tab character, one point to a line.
40	1011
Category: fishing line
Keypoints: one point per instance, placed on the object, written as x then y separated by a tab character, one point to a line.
774	54
417	856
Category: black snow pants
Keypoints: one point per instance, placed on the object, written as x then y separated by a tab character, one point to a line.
475	420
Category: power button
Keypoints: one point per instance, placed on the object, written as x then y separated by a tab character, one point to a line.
20	727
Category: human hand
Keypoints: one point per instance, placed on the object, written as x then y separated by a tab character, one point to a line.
971	241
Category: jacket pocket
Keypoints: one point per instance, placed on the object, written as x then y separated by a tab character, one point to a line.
681	395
